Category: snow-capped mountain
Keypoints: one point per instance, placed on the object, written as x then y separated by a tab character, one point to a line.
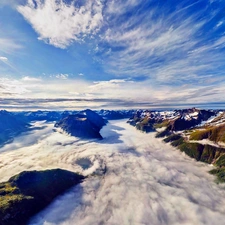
176	120
115	114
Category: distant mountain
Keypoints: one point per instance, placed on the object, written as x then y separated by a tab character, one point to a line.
40	115
115	114
58	115
85	124
10	126
176	120
67	113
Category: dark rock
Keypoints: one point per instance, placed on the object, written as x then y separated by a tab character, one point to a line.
172	138
29	192
85	124
181	123
97	120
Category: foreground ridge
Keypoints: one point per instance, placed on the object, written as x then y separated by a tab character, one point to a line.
27	193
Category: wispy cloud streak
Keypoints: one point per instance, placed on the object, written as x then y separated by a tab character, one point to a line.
167	47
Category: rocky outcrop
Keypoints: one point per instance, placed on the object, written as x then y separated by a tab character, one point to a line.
85	124
29	192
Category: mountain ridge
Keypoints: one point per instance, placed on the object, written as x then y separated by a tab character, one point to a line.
85	124
186	130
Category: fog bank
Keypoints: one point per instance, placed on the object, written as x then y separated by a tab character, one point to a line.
146	180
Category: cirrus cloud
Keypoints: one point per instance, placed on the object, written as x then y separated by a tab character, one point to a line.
4	59
59	23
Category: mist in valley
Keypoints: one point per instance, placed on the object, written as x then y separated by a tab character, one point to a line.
132	178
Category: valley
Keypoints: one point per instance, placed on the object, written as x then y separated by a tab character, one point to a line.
131	178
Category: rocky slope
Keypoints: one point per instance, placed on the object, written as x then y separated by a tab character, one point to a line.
29	192
198	133
85	124
176	120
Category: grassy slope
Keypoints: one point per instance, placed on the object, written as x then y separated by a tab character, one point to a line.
30	191
205	153
216	134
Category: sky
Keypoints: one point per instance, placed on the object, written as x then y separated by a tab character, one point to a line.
73	54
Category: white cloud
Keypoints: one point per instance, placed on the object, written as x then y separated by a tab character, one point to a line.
219	23
81	74
168	48
9	46
116	7
115	93
11	88
31	79
112	88
62	76
4	59
59	23
108	83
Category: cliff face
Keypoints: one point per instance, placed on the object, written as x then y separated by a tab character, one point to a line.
30	191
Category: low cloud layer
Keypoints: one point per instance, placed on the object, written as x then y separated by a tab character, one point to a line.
146	180
63	93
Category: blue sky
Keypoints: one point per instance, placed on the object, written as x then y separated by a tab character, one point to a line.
57	54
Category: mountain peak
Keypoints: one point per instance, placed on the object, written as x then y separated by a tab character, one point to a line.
85	124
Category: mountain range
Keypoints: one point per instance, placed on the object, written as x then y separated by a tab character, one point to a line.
14	123
198	133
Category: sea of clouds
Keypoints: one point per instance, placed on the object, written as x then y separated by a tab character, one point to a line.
133	178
